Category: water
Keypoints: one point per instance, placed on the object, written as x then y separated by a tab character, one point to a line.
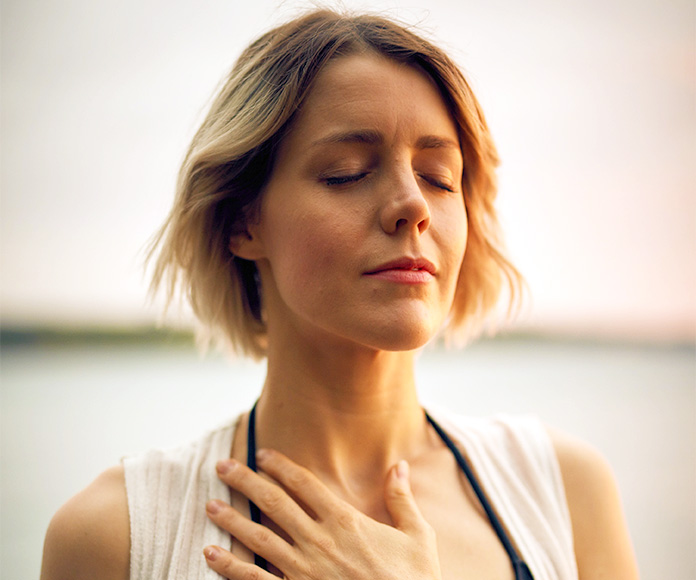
70	412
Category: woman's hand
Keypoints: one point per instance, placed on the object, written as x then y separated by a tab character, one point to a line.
338	542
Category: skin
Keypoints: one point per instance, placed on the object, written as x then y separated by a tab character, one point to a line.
365	176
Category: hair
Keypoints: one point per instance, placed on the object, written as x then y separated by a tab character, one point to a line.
231	156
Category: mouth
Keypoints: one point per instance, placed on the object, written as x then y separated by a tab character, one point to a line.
405	270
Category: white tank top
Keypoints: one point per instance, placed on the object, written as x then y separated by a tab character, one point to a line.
512	457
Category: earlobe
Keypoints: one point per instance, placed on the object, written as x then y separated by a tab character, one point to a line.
246	246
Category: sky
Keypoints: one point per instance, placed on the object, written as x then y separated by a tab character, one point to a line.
592	105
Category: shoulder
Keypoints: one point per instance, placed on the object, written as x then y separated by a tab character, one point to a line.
179	467
89	537
520	441
602	543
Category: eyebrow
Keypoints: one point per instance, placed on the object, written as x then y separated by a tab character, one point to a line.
370	137
366	136
435	142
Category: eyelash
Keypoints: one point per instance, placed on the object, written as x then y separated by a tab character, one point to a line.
437	183
346	179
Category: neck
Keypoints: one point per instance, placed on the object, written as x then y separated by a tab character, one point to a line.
347	415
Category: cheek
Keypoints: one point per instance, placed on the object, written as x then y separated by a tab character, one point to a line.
452	234
305	249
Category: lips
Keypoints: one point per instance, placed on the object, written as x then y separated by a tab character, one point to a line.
405	270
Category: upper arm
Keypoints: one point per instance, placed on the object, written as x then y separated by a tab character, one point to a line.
89	537
603	547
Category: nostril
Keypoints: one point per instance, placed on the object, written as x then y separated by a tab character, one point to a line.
400	222
423	225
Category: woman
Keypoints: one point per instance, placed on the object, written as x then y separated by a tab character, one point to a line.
334	212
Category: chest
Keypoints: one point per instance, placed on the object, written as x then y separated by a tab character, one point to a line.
468	546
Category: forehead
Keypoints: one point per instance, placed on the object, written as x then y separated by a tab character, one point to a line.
373	93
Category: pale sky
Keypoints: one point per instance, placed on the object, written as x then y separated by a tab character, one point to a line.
592	104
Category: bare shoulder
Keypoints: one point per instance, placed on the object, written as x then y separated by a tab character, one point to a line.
602	543
89	537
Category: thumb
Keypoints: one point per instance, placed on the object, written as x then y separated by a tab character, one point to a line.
399	499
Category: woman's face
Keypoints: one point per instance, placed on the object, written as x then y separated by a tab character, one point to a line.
362	228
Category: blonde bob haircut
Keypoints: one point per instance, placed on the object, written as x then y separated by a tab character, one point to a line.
231	157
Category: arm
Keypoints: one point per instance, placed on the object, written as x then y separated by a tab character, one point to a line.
603	547
89	537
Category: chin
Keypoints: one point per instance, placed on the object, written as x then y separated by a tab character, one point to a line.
402	337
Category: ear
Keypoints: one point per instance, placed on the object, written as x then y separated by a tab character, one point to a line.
246	245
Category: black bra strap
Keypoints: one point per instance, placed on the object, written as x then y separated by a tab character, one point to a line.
251	464
521	570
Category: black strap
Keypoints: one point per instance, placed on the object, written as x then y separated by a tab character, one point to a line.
251	464
519	566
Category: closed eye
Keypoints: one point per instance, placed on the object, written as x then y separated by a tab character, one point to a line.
344	179
437	183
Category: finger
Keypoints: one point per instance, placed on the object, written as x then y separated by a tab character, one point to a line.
231	567
258	538
400	502
300	482
272	500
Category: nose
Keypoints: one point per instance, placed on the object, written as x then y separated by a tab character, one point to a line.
406	207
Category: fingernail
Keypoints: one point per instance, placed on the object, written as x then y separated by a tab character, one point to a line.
226	466
211	553
214	506
261	455
402	470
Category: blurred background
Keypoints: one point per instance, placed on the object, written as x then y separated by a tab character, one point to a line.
593	107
